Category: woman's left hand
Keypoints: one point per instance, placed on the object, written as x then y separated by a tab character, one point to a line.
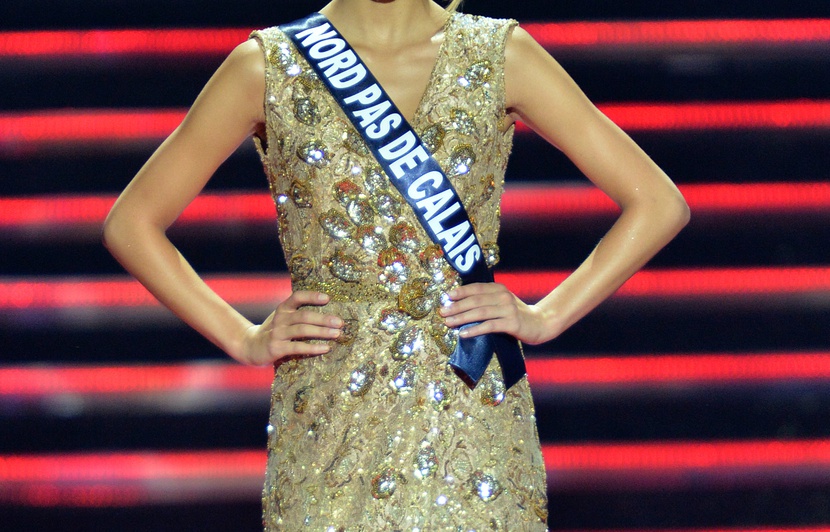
498	310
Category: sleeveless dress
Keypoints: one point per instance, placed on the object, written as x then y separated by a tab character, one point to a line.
380	433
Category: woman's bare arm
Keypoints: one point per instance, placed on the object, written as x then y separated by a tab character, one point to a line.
228	110
542	95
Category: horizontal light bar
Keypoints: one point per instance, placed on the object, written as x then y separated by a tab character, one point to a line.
39	382
712	33
520	204
22	132
131	478
270	289
552	35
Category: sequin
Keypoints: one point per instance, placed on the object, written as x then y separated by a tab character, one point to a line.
345	267
414	298
300	267
394	269
301	399
461	121
445	337
491	390
361	379
336	225
485	486
346	191
409	342
461	160
305	110
313	153
300	194
489	184
404	379
385	483
355	143
491	253
347	332
370	238
310	82
437	395
404	237
432	257
392	320
283	58
360	212
426	461
376	181
476	75
387	206
433	137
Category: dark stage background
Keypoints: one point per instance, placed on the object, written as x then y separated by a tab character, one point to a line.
696	398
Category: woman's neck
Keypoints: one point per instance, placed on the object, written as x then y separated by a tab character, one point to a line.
390	23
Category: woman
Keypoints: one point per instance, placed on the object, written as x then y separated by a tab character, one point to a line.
370	429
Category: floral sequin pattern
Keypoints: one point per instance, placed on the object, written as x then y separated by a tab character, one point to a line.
379	433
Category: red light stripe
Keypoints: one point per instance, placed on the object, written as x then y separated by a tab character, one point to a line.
267	290
43	381
46	381
25	131
686	455
127	293
554	36
688	282
698	116
680	32
46	127
678	369
519	203
56	44
145	476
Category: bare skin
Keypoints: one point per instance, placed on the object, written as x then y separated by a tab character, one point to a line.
400	50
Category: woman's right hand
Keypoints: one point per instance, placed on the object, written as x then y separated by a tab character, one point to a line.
285	331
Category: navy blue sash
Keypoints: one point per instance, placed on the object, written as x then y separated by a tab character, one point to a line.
415	174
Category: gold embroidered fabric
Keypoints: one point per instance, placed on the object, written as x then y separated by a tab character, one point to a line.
380	434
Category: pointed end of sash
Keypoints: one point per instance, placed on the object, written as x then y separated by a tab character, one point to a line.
461	374
511	359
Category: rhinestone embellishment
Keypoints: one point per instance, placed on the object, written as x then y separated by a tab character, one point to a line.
461	160
314	153
426	461
336	225
345	267
385	483
361	378
409	342
485	486
414	298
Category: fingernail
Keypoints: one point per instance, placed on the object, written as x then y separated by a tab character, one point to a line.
322	297
336	322
335	333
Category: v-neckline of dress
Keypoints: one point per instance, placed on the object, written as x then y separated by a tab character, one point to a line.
430	81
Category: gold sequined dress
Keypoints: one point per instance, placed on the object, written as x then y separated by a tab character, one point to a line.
379	434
